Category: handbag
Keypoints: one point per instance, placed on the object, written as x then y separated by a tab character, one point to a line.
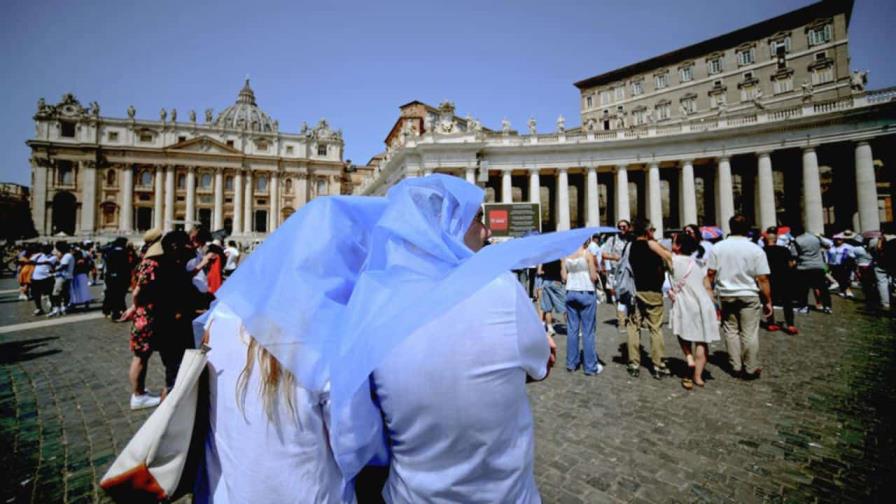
161	461
625	279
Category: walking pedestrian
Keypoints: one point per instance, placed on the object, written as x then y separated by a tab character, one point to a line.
553	294
739	270
233	258
42	278
26	269
648	260
79	291
810	268
117	278
841	260
693	317
579	273
63	280
147	294
612	252
780	263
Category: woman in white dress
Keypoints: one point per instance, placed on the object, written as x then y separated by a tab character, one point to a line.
693	316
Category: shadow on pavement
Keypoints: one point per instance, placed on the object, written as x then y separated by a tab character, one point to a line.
25	350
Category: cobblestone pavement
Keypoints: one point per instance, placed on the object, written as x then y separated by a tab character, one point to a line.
817	427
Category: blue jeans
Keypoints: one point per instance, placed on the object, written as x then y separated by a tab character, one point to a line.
581	310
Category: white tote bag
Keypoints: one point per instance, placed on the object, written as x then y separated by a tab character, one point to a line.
159	463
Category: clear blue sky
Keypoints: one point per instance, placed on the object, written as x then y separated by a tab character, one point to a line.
356	62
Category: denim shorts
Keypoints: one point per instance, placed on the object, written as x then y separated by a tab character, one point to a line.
553	296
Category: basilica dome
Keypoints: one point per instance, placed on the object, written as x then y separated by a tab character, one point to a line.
245	114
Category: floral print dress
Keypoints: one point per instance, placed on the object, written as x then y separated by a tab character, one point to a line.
144	314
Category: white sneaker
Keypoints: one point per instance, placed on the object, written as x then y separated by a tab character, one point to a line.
53	312
23	297
144	401
599	368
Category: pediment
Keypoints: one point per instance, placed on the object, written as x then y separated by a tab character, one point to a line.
203	144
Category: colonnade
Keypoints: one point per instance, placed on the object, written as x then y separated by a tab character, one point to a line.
720	167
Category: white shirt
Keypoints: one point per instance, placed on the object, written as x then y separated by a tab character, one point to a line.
454	401
737	262
578	276
233	254
66	269
43	271
247	458
199	279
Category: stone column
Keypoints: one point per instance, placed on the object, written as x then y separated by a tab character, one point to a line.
427	172
766	190
190	214
655	206
302	190
159	183
726	193
622	204
39	196
534	186
168	223
593	209
274	217
562	200
812	192
126	215
470	175
506	187
866	189
237	202
248	191
218	214
688	194
88	197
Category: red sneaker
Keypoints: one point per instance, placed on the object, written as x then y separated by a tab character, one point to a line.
792	330
773	328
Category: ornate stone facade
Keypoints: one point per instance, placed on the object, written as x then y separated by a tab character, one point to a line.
96	175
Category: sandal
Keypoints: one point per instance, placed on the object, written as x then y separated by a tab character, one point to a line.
687	383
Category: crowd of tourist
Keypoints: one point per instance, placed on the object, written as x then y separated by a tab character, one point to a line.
715	288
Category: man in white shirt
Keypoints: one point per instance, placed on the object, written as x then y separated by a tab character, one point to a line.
64	274
42	277
233	258
459	422
739	269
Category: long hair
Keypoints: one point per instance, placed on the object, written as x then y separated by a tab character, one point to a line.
276	385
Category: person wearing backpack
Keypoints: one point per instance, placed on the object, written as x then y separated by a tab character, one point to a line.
648	261
810	267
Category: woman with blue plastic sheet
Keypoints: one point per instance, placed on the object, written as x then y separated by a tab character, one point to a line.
342	291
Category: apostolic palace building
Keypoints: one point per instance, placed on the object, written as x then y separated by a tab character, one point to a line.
98	175
768	120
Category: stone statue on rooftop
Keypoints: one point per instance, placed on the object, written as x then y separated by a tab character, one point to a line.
561	124
192	116
174	115
163	114
131	111
858	79
505	126
532	126
208	115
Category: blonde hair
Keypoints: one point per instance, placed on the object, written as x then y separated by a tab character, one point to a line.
276	384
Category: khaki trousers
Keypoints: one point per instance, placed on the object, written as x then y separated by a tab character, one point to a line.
649	310
740	326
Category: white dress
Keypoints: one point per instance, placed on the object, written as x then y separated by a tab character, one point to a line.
248	458
693	314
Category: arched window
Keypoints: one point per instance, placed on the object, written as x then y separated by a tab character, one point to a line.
110	177
261	184
146	178
205	181
288	186
321	187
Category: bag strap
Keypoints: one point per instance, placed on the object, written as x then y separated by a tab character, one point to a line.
680	284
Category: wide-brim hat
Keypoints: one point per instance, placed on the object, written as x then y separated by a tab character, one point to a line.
153	238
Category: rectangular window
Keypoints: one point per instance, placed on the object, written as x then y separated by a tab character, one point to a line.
821	56
638	117
783	85
663	111
820	35
686	74
637	88
289	149
747	93
822	75
745	57
588	102
778	46
689	105
714	66
321	150
605	97
230	143
181	139
68	129
619	93
262	146
717	99
113	136
662	80
145	137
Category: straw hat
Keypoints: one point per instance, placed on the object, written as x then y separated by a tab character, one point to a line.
153	238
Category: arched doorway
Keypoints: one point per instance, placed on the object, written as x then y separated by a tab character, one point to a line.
64	211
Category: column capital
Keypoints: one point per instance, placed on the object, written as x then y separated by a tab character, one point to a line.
686	161
562	170
808	149
765	152
862	143
723	159
652	164
591	168
533	169
623	167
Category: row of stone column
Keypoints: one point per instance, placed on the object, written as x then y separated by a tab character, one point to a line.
164	199
866	189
